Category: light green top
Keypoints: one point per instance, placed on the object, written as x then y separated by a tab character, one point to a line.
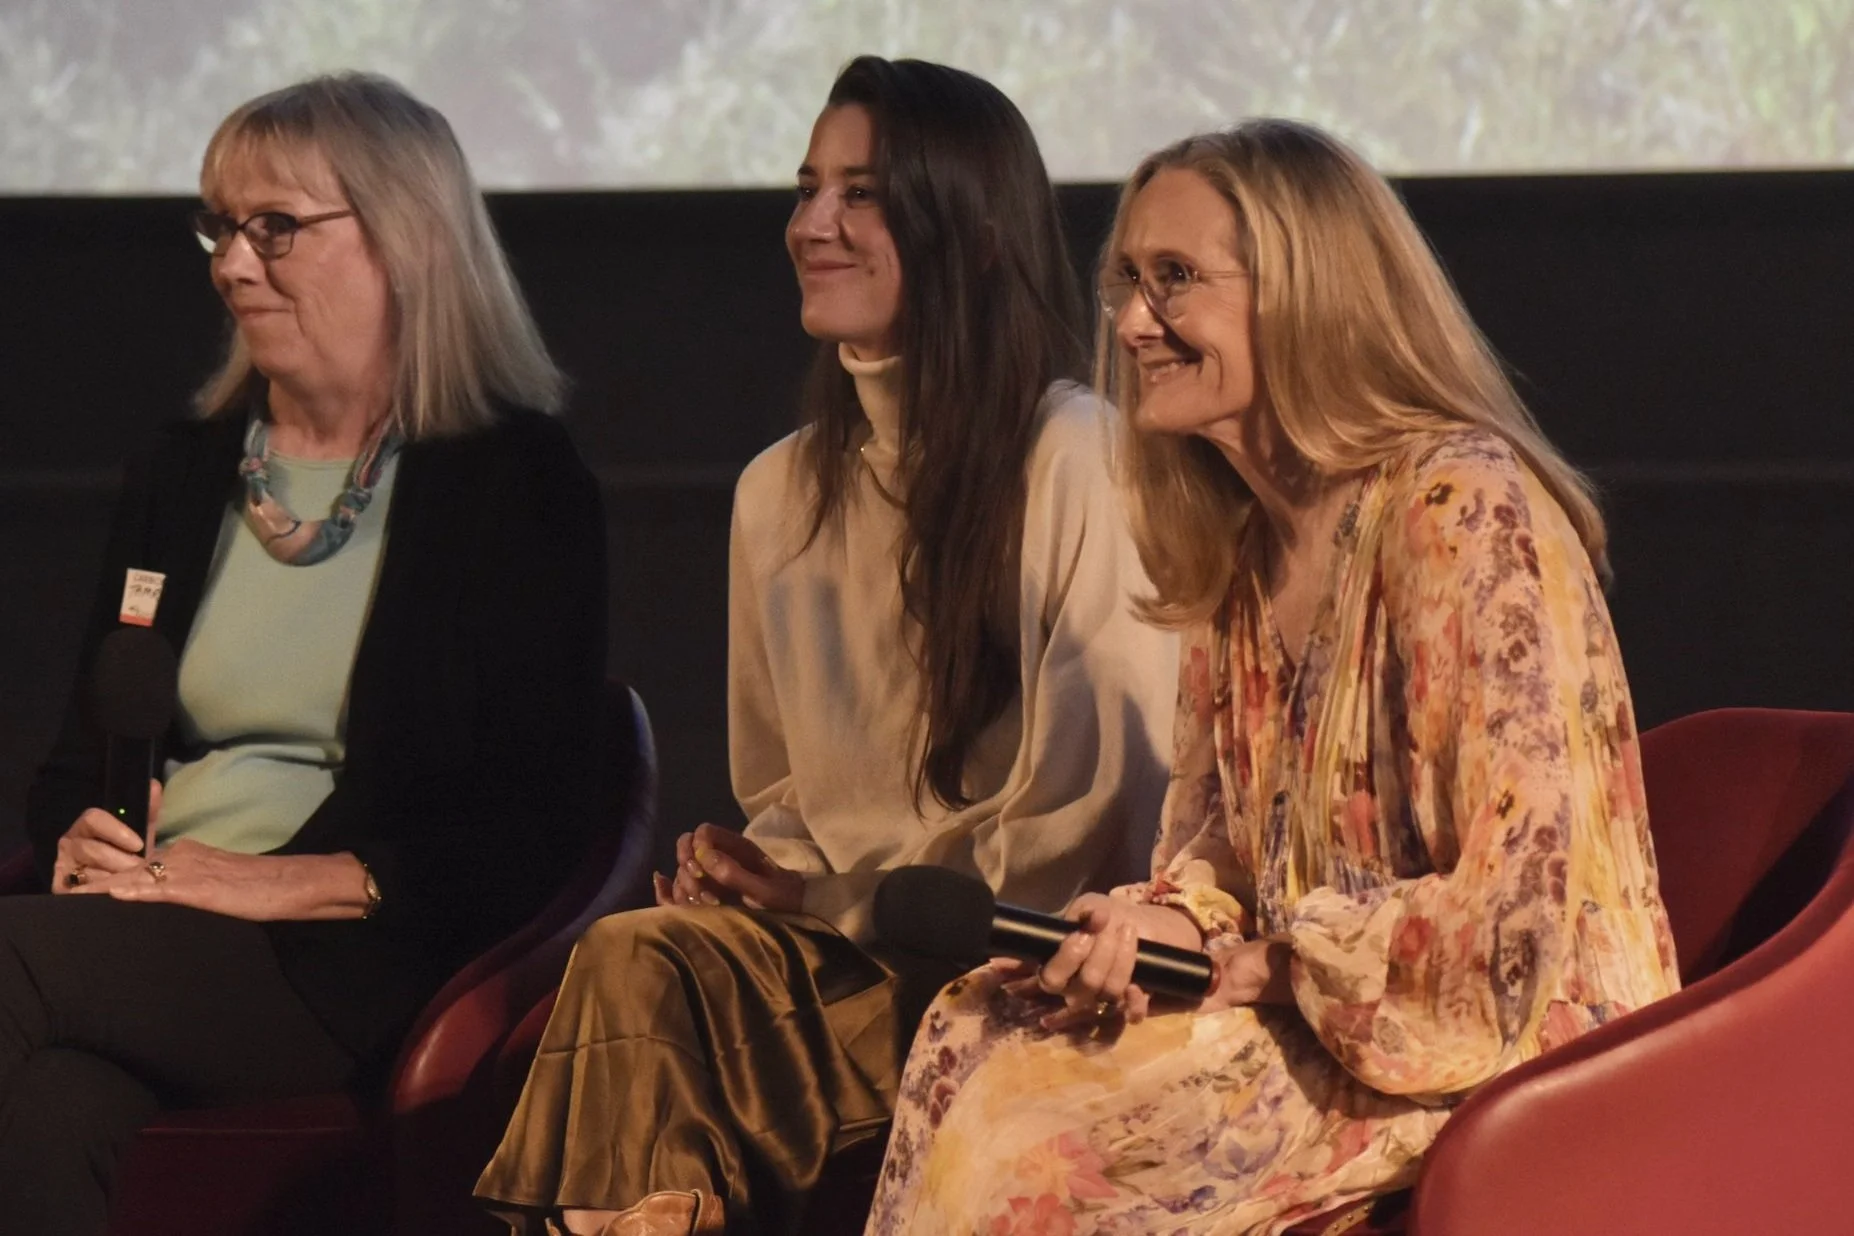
264	678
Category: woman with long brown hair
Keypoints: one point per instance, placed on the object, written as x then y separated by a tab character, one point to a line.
933	658
1405	816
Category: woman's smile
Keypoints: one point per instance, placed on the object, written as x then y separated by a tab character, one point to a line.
1159	370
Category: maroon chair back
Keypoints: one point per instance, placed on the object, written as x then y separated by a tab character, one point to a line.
1723	1108
321	1164
447	1111
1729	793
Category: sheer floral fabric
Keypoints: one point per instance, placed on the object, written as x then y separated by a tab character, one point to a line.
1438	803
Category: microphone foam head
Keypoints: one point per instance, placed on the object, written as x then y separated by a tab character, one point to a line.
133	683
935	912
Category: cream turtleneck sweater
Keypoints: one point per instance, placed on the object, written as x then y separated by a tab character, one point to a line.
824	711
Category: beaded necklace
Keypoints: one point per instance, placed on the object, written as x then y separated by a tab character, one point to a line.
301	542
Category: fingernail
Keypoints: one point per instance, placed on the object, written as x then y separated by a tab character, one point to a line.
709	899
1126	931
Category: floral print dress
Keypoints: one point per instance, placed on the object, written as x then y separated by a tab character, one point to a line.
1439	806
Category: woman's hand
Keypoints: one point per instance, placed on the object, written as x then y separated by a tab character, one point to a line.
258	887
1092	970
690	887
99	845
717	866
1253	972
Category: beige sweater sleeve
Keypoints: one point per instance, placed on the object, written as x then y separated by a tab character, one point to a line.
758	756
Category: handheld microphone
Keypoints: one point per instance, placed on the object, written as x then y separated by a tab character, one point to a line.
134	683
943	914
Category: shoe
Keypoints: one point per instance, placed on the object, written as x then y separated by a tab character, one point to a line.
669	1214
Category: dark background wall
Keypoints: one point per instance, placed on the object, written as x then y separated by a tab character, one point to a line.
1687	338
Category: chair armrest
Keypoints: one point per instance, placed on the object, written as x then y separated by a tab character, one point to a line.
1721	1109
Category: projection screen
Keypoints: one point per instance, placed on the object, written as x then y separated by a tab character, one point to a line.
102	96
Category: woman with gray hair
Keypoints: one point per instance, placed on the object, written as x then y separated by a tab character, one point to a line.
382	565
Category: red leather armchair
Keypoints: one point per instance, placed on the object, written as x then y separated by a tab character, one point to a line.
325	1163
1725	1108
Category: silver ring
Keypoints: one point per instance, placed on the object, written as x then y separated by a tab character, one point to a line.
158	870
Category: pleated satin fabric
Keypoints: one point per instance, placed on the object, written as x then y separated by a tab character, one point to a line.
713	1048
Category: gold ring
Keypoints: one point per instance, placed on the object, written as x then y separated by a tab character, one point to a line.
158	870
1102	1008
77	875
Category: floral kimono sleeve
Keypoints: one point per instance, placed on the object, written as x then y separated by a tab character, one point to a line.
1195	866
1429	986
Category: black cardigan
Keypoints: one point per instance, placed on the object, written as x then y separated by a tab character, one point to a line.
472	708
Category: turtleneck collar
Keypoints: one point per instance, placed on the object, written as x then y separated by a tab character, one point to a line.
878	389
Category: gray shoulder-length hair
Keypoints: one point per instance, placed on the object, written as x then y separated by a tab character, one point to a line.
464	338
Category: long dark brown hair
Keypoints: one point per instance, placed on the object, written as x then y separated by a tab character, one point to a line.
991	315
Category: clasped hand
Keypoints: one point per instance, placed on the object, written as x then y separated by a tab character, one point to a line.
1092	970
720	867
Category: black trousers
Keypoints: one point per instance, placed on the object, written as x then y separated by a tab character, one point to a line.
111	1011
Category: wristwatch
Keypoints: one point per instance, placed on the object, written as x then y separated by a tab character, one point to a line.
372	889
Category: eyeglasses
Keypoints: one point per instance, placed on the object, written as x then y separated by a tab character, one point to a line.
271	232
1169	282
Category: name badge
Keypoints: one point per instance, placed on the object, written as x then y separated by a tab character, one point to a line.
141	596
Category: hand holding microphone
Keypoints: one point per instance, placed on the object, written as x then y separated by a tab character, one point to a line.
96	846
133	689
1094	969
1097	961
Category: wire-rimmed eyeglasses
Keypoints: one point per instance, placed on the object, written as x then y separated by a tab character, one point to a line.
1168	283
271	232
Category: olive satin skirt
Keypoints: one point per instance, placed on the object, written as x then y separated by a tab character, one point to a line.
713	1048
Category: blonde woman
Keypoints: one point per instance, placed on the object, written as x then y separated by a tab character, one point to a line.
383	567
1405	814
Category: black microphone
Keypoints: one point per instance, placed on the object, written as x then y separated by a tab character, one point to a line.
133	685
940	913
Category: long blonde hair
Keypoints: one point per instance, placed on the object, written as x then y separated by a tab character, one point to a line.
464	338
1362	345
